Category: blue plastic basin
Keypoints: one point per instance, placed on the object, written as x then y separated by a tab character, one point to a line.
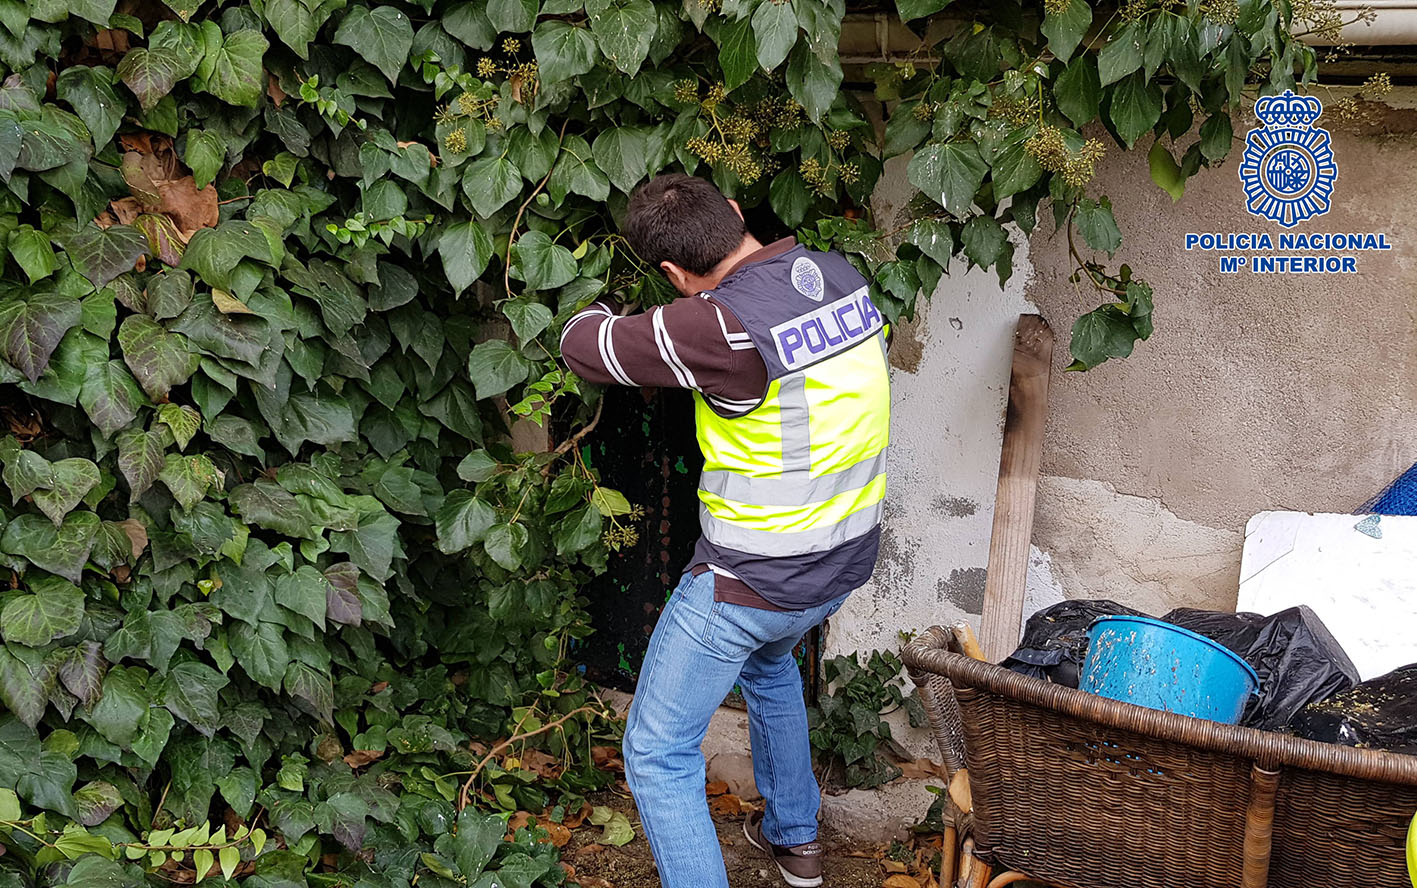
1160	666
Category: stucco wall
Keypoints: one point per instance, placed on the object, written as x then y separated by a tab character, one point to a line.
1256	392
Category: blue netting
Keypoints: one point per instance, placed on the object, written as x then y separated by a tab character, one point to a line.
1400	497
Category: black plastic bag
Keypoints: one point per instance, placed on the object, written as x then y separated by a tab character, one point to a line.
1377	714
1297	659
1054	643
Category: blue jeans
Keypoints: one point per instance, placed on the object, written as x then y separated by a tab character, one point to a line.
699	650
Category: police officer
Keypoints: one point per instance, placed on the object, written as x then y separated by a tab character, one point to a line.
786	357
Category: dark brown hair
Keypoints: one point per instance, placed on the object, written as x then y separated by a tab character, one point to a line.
684	220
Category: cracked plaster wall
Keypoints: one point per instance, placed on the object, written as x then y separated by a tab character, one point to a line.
1276	392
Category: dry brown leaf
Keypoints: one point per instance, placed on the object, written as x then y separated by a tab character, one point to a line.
574	820
105	220
894	866
922	769
543	763
519	820
959	791
137	534
274	91
607	758
590	849
125	210
557	833
593	882
229	304
726	805
363	758
378	687
190	209
111	40
717	787
900	881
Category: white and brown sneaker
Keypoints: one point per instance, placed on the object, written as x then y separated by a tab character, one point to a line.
800	865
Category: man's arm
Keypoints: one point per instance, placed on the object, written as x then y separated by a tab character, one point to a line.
691	343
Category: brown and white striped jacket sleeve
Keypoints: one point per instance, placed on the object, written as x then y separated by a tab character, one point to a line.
691	343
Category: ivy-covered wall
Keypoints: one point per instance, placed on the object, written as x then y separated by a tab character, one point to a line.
278	586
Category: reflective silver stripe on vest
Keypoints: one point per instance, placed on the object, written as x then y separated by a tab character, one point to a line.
793	489
784	543
795	423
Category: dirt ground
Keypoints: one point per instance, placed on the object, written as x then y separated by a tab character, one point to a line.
632	866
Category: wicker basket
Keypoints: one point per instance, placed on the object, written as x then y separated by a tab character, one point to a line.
1084	792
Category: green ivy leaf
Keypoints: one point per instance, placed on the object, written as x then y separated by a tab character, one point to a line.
623	154
914	9
31	328
152	73
382	36
312	689
159	359
189	691
774	32
1165	172
110	396
90	91
231	65
563	51
466	249
1015	169
1078	91
51	611
544	265
1101	334
1216	137
140	459
181	420
984	241
1122	54
528	318
813	82
490	183
476	841
189	477
267	504
950	173
506	543
624	29
512	16
1097	226
63	550
205	155
495	366
1134	107
1066	29
33	251
576	172
102	254
121	705
462	520
737	53
73	478
25	684
261	652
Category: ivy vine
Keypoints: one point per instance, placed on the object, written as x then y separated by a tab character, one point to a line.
279	277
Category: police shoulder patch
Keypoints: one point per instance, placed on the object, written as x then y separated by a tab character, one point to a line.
807	279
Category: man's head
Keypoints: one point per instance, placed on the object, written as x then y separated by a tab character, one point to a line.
686	227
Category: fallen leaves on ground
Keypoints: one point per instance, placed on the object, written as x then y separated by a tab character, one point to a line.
607	758
716	788
900	880
725	805
615	826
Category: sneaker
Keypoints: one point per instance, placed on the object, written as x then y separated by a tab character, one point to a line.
800	865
